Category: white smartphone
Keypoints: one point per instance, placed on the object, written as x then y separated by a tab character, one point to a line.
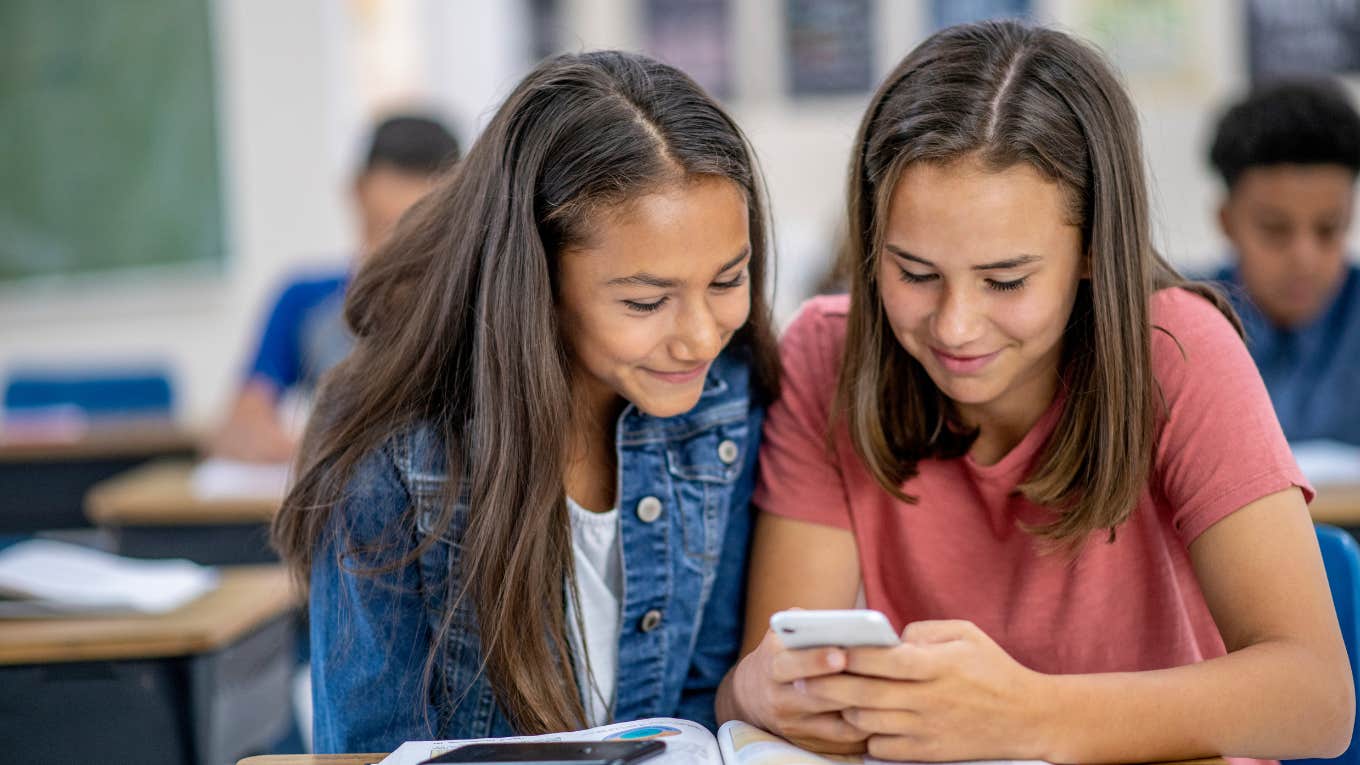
847	628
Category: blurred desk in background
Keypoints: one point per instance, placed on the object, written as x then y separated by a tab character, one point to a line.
203	685
1338	505
160	510
44	476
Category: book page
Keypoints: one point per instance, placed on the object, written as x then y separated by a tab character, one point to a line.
686	742
743	744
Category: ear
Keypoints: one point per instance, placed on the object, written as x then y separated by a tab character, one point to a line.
1225	219
1085	267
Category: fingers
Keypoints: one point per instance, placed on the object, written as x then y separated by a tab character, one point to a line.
900	662
846	691
789	665
828	732
896	722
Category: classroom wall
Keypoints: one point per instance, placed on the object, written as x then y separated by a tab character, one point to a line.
300	80
293	117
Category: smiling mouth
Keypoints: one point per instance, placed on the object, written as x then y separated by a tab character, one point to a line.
962	365
684	376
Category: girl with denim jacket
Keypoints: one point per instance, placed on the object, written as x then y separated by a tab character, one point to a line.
522	502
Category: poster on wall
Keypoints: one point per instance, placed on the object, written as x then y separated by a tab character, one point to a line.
693	36
829	46
1302	37
947	13
1151	42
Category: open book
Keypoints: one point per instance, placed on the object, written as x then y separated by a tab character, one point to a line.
687	743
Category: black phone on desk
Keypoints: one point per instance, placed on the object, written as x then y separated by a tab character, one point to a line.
554	752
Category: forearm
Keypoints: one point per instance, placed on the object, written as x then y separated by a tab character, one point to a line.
1272	700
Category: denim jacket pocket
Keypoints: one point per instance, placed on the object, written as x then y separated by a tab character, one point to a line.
705	467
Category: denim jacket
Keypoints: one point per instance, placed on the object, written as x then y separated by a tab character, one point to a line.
684	571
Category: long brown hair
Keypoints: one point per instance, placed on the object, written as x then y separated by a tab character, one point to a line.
1006	93
457	327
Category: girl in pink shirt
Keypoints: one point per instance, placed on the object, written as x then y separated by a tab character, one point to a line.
1036	448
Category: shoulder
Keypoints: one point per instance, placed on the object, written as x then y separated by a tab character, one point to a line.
814	341
1185	325
401	470
302	291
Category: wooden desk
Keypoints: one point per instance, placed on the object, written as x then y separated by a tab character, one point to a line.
161	493
203	685
152	511
1338	505
247	597
137	437
366	759
43	480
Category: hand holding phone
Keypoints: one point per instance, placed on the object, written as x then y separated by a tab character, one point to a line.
848	628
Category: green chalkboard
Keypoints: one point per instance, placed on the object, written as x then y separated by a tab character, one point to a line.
108	137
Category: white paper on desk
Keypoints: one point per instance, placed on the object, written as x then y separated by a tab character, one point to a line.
56	577
687	743
1327	462
229	479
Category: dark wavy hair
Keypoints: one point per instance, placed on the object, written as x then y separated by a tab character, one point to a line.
1295	122
1006	93
457	326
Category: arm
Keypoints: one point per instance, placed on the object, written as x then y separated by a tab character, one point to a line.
794	564
369	633
253	431
1283	689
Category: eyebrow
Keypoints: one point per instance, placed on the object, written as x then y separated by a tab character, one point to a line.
1000	265
644	279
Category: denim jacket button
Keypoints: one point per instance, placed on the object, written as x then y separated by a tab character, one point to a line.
650	620
648	509
728	451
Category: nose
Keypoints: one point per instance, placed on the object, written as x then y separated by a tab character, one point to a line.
698	335
957	320
1307	252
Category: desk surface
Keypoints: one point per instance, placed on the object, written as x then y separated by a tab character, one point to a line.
140	437
366	759
247	597
162	494
1337	504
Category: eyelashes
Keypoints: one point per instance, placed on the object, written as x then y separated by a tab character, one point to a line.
656	305
999	286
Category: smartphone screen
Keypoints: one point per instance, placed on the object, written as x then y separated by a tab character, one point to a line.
555	752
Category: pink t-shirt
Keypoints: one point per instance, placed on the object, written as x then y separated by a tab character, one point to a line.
960	554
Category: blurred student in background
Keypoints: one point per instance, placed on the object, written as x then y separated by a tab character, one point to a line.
1288	155
306	335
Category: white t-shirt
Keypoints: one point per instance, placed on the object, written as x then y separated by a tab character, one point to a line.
599	584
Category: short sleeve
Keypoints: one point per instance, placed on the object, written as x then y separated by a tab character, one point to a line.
278	359
799	477
1220	446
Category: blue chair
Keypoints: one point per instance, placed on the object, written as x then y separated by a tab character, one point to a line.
93	392
1341	557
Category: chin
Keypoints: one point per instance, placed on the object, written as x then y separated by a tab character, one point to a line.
667	406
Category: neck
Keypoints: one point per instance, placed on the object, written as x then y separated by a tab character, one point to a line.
590	460
1004	423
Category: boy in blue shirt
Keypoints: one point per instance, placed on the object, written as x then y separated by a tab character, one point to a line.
305	334
1288	155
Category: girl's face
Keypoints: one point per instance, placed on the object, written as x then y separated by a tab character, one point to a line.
978	275
655	294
